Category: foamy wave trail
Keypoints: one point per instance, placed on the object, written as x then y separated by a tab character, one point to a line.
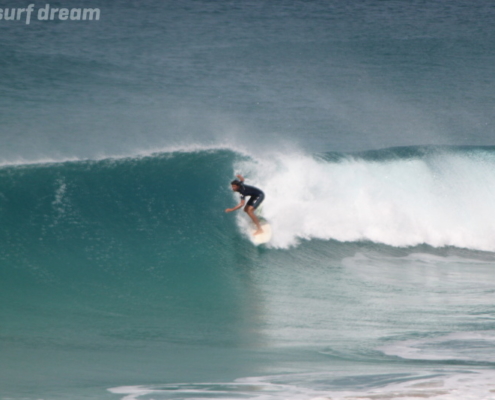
399	197
474	347
438	385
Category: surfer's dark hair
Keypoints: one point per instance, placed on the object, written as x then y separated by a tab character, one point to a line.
236	182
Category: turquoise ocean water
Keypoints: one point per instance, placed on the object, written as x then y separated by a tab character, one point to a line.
368	124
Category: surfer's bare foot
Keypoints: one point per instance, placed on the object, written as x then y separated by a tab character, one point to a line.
258	231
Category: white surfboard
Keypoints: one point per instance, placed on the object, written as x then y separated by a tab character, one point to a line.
264	237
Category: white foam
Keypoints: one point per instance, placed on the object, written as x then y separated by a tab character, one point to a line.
446	200
132	392
434	385
460	346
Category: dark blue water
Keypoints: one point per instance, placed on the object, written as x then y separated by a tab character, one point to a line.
368	124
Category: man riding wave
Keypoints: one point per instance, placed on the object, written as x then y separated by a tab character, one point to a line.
256	197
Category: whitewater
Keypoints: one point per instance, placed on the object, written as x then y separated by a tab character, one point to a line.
400	197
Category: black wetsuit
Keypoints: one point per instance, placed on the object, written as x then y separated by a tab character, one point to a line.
256	195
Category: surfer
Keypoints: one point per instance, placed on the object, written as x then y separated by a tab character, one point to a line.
256	197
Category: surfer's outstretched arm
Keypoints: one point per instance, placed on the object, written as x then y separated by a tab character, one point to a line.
240	205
